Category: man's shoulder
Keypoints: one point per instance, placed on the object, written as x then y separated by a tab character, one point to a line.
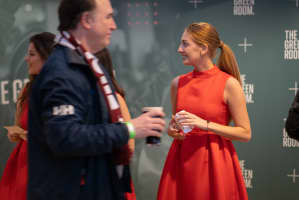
60	69
60	63
57	60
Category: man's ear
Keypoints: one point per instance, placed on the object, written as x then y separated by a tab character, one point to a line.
86	20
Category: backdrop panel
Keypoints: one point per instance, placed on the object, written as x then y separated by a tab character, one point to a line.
263	34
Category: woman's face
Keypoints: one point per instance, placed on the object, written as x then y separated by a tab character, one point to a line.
34	60
190	51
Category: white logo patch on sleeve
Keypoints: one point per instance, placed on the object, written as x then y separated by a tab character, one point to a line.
63	110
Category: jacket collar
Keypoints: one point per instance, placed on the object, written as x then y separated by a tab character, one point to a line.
74	58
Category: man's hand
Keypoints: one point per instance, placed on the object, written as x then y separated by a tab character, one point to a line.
149	124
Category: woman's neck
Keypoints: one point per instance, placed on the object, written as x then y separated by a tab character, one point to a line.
205	64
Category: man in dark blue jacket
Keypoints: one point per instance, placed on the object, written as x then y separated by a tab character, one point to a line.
71	135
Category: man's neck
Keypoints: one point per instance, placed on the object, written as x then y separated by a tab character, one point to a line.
80	36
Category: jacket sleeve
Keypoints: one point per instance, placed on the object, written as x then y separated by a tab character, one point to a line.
292	123
63	111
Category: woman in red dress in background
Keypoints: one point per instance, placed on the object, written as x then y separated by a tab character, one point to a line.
203	164
106	60
13	185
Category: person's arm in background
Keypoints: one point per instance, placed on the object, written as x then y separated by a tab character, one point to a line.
16	133
173	130
127	117
292	123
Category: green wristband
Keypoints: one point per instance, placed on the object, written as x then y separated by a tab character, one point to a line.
131	130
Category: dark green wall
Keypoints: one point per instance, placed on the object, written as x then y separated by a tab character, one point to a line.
144	54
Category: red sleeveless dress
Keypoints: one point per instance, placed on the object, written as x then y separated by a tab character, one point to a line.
203	166
13	185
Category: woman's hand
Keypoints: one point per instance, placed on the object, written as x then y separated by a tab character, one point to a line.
188	119
174	130
13	137
16	133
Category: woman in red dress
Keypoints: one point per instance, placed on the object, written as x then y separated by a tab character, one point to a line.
202	164
13	185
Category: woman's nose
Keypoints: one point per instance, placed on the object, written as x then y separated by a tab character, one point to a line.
180	49
26	58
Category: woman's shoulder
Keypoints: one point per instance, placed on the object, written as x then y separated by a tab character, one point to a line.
182	76
232	84
175	81
224	74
